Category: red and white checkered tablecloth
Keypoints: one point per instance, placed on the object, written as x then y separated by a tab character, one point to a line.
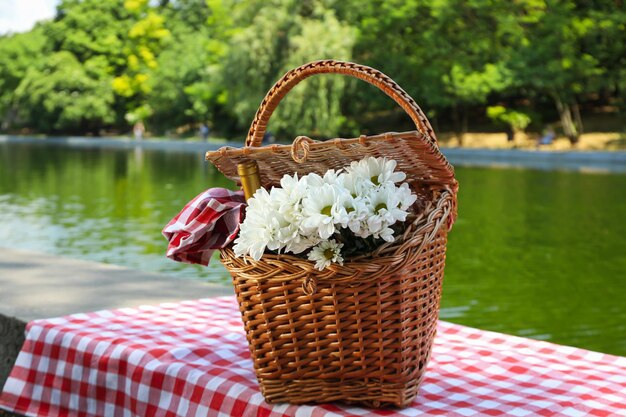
191	359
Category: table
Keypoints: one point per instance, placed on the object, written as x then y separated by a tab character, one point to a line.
191	359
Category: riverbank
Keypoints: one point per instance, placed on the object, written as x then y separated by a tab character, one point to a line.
593	141
493	154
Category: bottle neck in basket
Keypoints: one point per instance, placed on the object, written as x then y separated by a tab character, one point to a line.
250	177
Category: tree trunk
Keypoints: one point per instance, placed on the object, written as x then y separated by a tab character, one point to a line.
510	133
460	124
434	121
577	119
464	119
567	122
9	119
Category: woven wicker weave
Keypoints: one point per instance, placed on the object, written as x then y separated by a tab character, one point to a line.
360	332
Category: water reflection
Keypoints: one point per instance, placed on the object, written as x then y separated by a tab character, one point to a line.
541	250
102	205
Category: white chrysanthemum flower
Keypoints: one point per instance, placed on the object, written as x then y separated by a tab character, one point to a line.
263	227
313	180
406	196
378	171
301	243
356	185
321	209
285	234
353	212
294	186
331	177
385	209
252	242
288	198
386	234
287	205
325	253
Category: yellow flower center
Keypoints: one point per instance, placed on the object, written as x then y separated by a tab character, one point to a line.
329	253
374	180
326	210
380	207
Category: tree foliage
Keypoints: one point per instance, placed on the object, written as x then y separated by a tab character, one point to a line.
277	41
176	63
17	54
65	96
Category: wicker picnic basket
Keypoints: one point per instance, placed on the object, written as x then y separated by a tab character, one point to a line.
360	332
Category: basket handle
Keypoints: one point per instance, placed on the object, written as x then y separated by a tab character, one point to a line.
370	75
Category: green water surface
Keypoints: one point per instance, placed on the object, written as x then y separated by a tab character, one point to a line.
540	254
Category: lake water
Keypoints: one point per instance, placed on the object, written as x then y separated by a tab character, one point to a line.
540	254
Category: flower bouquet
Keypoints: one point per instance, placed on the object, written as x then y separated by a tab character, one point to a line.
342	214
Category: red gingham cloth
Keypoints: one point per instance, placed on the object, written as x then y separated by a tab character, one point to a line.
208	222
191	359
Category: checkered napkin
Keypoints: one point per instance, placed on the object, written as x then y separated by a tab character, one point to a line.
192	359
208	222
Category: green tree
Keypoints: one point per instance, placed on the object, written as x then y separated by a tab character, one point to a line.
280	36
210	94
516	121
426	47
179	62
187	92
564	53
605	40
145	40
179	67
315	106
18	53
89	29
93	32
65	96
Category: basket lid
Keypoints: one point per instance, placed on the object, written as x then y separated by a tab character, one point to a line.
420	159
